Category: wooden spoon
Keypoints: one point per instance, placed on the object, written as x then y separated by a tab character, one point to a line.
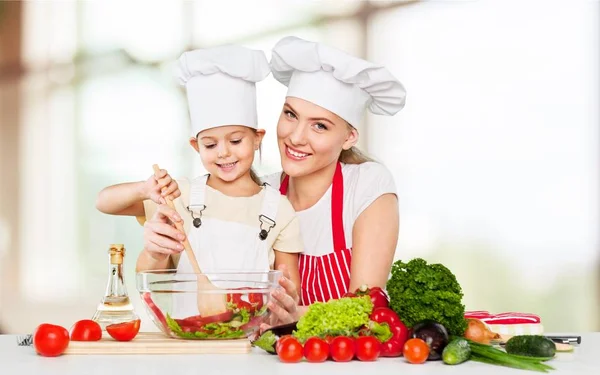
208	303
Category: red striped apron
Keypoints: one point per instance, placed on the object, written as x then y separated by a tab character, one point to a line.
327	276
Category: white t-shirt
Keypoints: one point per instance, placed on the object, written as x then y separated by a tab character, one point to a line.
363	184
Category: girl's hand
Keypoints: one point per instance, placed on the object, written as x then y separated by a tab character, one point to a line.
153	187
161	238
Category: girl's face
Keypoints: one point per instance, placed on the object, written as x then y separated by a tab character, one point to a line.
310	137
227	152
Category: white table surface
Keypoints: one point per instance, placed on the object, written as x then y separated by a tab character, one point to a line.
23	360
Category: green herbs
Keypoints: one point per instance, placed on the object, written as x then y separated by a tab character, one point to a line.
336	317
419	291
266	342
490	355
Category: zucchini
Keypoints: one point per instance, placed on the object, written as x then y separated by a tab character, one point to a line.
457	351
531	346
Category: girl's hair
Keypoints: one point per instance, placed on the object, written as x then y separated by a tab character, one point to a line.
253	174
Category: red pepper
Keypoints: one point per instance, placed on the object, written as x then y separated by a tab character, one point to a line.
392	347
378	296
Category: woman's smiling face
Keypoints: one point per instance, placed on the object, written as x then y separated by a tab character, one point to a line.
310	137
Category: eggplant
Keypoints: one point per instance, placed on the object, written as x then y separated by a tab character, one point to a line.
434	334
268	339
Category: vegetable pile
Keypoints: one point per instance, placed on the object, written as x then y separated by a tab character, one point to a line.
419	291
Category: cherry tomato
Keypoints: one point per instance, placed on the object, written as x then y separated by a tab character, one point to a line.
86	330
124	331
281	340
416	351
50	340
290	350
316	350
342	349
368	348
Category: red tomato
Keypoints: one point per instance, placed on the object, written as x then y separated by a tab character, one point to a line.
316	350
86	330
50	340
124	331
256	299
281	340
342	349
368	348
416	351
290	350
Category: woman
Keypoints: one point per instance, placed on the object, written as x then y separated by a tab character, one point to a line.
346	204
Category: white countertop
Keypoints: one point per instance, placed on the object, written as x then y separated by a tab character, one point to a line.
23	360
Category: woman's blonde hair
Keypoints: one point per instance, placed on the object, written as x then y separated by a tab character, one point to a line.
353	155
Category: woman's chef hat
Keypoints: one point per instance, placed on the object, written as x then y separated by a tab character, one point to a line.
221	85
334	80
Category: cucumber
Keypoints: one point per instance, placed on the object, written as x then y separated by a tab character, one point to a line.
457	351
531	346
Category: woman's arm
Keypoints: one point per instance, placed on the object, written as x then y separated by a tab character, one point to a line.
374	240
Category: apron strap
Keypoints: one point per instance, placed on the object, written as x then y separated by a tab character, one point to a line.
337	209
337	206
196	204
268	212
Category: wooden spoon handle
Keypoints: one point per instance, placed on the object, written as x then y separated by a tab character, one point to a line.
179	226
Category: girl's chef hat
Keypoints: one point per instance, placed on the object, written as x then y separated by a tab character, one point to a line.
221	85
334	80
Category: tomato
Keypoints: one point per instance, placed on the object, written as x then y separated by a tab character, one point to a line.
368	348
342	349
281	340
316	350
50	340
416	351
290	350
86	330
124	331
256	299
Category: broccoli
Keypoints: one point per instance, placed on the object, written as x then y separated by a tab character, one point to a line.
419	291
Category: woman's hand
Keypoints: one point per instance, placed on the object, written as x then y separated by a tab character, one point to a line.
153	187
161	238
284	303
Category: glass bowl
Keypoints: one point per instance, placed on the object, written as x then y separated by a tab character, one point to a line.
234	303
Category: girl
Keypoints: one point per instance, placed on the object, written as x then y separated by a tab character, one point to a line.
232	220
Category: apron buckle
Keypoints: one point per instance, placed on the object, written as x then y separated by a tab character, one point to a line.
197	220
264	220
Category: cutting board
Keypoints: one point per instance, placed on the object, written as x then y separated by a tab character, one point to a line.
157	343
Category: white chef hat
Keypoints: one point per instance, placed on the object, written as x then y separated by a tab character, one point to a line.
221	85
335	80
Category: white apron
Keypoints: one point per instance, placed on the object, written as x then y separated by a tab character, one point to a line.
222	246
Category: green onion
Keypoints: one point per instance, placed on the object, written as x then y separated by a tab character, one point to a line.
490	355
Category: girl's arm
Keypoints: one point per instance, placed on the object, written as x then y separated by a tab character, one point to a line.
374	240
291	264
128	198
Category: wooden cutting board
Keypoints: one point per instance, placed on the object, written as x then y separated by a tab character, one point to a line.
157	343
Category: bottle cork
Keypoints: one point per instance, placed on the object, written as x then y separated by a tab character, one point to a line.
117	253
